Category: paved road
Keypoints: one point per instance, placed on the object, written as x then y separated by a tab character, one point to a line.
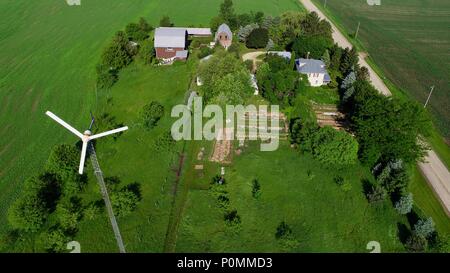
434	170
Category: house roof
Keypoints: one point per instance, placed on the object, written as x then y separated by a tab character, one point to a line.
170	37
224	28
305	66
284	54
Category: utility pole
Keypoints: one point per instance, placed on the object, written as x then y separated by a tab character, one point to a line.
357	30
429	96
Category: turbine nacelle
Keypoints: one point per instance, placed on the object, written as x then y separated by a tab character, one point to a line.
85	137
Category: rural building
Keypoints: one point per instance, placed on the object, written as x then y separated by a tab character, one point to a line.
285	54
171	42
224	35
314	69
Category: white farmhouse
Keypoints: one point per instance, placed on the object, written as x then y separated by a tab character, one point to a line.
314	69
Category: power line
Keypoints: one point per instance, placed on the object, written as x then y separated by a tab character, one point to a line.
429	96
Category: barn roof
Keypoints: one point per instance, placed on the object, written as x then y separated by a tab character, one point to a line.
170	37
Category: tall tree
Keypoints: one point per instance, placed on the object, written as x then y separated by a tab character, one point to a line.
165	22
227	13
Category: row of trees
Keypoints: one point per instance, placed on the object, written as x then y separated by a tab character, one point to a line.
50	206
234	21
122	49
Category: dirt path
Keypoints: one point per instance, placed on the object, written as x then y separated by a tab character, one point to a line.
253	57
434	170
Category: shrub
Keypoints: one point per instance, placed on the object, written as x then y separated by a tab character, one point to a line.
376	195
333	147
256	189
416	243
91	211
165	22
151	114
204	51
315	45
234	49
27	213
116	55
106	77
283	231
54	240
147	52
405	204
258	38
249	64
69	212
424	227
223	201
232	218
218	180
339	180
164	142
124	202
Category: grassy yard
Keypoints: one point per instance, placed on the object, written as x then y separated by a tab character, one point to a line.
48	57
296	189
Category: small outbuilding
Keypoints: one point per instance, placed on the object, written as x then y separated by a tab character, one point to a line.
224	35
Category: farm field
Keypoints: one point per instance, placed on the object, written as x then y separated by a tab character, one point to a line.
49	53
409	41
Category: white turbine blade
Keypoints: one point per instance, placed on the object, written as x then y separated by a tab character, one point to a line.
109	132
63	123
83	157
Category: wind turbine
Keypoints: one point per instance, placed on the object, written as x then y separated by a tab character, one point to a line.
85	137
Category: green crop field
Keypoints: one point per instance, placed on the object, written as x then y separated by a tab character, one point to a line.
48	57
409	40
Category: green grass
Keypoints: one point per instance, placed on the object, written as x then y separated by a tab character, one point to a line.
409	42
426	200
323	217
49	52
322	95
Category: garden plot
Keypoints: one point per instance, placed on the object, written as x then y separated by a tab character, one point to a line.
222	146
329	115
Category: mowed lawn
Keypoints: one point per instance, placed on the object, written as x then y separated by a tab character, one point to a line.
48	57
409	40
295	189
